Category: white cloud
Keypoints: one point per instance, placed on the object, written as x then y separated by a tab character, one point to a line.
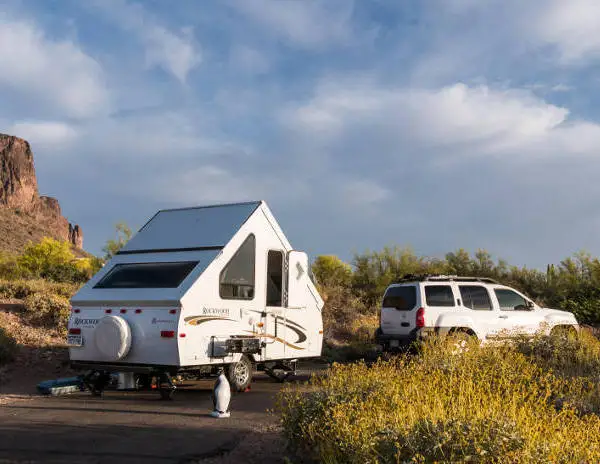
48	71
470	120
474	166
175	52
44	134
572	26
208	184
361	193
561	88
306	24
168	136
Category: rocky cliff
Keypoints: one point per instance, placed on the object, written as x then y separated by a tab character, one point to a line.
19	196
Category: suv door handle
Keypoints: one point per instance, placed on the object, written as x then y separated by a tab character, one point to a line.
503	317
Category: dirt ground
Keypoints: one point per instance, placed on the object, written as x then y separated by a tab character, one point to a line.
132	427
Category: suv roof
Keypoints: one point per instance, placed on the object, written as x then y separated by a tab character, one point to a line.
443	278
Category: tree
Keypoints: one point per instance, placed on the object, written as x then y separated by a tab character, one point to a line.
460	262
123	234
331	271
47	259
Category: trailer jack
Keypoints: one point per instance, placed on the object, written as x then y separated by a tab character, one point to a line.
166	391
96	381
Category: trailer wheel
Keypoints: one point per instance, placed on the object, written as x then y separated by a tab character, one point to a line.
239	374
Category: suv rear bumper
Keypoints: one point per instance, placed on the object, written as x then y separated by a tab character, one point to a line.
395	341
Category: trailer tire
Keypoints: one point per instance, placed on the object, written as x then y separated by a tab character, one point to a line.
112	338
239	374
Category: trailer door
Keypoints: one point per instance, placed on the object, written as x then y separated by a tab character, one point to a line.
274	319
297	275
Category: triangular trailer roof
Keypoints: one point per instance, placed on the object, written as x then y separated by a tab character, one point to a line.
190	229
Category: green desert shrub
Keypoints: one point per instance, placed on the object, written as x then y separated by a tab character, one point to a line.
453	440
451	403
568	356
21	289
9	267
54	260
8	347
49	308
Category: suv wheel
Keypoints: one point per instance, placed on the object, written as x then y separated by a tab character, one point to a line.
461	338
566	332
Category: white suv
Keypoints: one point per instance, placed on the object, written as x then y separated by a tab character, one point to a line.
417	307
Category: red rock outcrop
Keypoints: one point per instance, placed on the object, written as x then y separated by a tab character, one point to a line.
19	191
76	236
18	184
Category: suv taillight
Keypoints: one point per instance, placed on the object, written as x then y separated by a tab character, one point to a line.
420	317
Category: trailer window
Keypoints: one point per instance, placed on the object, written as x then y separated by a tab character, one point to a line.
236	281
147	275
274	278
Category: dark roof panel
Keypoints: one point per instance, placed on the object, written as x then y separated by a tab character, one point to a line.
202	227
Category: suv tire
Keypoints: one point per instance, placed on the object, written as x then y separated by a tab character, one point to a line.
462	337
564	331
462	333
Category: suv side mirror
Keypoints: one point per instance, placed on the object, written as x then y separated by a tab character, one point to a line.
529	305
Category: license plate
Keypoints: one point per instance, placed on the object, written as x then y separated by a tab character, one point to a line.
75	340
394	343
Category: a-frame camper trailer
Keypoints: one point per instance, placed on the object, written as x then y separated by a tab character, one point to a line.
197	289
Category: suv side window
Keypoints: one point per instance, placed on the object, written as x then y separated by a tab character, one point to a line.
475	297
439	295
510	301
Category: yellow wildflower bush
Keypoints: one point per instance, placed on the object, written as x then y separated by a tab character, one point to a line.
474	404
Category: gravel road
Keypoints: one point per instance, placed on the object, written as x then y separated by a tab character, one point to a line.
138	427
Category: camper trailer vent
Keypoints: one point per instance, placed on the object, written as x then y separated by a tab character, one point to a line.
242	345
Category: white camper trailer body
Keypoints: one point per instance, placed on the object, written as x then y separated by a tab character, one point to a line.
195	288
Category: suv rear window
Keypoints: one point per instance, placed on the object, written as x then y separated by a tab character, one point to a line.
475	297
439	295
403	298
147	275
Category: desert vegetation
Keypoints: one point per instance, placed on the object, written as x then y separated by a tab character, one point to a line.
532	401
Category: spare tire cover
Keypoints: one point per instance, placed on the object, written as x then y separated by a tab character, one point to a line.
113	337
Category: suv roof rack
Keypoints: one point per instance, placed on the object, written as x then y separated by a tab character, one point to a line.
443	278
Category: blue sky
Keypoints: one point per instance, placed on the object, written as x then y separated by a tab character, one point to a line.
433	124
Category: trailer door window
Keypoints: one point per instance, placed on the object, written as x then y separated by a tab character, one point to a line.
147	275
237	278
274	278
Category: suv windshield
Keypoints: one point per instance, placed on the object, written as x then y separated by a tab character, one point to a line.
147	275
403	298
